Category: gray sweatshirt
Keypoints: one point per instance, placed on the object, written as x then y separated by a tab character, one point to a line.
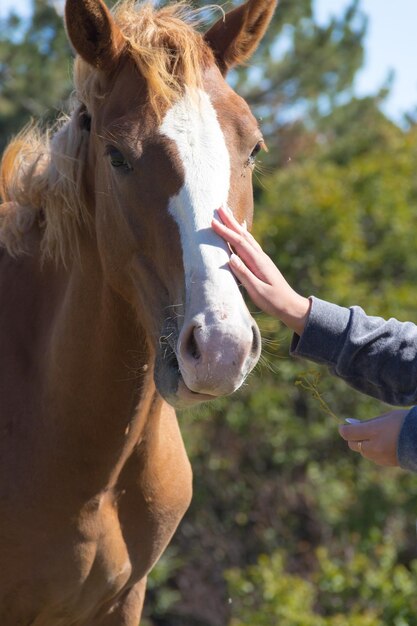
373	355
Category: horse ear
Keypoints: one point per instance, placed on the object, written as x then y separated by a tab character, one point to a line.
235	37
93	32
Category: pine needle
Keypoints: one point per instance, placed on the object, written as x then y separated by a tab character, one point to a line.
309	381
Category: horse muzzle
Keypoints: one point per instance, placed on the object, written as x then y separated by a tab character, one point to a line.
207	360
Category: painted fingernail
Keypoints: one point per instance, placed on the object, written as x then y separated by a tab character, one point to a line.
352	420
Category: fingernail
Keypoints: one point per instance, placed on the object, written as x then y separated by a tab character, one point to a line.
217	217
235	260
352	420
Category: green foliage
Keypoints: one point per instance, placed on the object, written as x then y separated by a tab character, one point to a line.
265	593
356	589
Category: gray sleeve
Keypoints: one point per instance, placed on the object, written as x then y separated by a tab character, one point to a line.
373	355
407	442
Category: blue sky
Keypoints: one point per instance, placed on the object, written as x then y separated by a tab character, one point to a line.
391	44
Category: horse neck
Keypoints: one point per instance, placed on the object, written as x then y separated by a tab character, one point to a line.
99	384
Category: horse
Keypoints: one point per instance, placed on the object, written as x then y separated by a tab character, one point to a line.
117	304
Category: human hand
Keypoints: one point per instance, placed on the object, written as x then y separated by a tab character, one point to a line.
259	275
376	439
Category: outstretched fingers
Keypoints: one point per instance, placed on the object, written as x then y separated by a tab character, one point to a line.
246	276
242	243
228	219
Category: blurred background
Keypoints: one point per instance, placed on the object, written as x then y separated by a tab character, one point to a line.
287	526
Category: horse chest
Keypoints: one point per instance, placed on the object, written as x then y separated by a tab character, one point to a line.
76	577
130	527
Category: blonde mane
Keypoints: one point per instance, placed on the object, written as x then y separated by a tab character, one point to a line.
42	173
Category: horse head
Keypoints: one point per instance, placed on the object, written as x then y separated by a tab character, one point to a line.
170	142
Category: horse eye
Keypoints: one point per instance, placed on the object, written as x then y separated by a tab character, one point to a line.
117	159
255	152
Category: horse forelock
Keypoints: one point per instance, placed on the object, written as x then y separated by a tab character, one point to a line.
164	44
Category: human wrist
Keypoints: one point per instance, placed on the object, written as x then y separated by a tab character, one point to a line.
296	312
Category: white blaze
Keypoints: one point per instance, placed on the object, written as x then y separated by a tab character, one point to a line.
217	326
193	125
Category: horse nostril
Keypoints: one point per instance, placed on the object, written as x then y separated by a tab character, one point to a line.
256	340
192	346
